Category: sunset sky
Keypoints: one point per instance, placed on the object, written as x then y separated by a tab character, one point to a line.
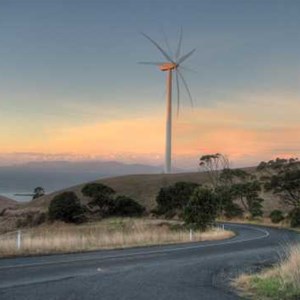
71	88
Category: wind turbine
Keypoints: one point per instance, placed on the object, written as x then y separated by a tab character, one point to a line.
172	64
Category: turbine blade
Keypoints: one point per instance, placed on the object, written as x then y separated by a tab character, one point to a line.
167	43
150	63
163	52
179	45
186	87
189	69
184	57
178	93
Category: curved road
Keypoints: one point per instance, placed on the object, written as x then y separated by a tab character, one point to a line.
189	271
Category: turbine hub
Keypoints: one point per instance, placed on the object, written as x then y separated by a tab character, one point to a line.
168	66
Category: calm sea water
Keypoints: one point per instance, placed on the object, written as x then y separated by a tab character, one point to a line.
54	176
12	183
15	197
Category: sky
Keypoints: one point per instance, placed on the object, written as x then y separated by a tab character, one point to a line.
71	87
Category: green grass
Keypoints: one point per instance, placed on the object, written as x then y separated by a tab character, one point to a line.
281	282
273	288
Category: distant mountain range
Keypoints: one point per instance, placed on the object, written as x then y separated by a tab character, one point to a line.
55	175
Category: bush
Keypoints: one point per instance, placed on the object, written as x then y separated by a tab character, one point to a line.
174	197
226	205
127	207
232	210
103	203
255	207
95	189
201	210
66	207
276	216
295	217
31	219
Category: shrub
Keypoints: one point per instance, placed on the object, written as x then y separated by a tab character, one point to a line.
66	207
276	216
103	203
174	197
31	219
232	210
295	217
95	189
127	207
201	210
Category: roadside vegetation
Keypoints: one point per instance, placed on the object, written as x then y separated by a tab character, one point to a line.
109	220
280	282
109	233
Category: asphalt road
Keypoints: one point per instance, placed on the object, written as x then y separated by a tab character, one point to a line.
189	271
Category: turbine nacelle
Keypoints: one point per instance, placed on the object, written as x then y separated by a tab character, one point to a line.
168	66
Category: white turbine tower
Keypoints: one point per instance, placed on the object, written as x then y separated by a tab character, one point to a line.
172	64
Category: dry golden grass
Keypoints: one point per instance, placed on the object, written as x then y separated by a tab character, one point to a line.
280	282
108	234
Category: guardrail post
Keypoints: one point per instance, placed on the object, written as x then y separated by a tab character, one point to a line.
191	234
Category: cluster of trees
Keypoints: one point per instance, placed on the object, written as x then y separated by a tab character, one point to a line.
171	200
103	202
229	193
282	178
237	190
233	192
197	205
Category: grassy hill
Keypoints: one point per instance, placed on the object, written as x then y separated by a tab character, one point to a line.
144	189
6	202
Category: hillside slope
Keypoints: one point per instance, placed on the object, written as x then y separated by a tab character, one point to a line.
144	189
6	202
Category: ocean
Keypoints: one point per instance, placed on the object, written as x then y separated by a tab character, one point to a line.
57	175
12	182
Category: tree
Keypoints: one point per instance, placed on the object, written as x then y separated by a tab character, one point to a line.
38	192
94	189
248	194
103	204
213	164
66	207
102	198
278	165
286	185
174	197
201	210
127	207
295	217
226	203
283	179
276	216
